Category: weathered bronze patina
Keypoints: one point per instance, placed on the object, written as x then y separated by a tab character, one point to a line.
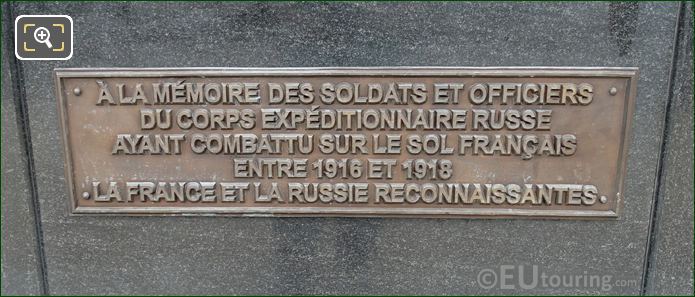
404	142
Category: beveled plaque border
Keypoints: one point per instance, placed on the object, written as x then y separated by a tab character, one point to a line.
631	73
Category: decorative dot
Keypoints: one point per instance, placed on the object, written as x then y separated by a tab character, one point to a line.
613	91
77	91
85	195
603	199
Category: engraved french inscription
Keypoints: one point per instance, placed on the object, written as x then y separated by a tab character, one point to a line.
388	142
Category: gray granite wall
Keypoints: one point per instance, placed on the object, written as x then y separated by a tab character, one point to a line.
670	270
20	263
648	250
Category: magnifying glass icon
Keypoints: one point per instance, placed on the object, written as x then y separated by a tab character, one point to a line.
42	35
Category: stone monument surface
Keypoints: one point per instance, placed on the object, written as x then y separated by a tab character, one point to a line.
646	248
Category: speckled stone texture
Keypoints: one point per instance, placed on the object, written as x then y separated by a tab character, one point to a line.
205	255
20	268
672	260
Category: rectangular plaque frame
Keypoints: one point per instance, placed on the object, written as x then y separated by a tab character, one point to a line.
531	73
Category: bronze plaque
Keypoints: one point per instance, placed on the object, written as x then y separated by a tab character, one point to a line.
386	142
